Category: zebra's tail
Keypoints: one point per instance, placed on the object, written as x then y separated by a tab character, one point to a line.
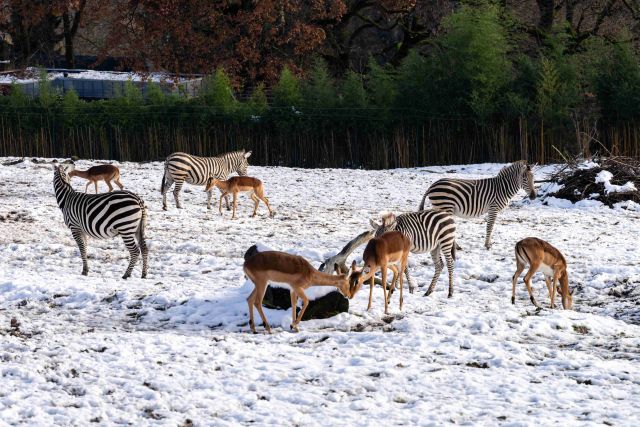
424	198
143	222
454	248
164	178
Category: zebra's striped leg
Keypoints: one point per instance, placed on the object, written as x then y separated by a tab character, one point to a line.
412	285
134	253
81	241
491	220
167	183
176	193
449	259
439	265
145	255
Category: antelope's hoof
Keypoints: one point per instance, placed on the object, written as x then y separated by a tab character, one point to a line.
164	208
513	300
294	328
450	295
85	272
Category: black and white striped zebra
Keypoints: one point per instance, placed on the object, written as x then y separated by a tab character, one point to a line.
106	215
182	167
470	198
430	231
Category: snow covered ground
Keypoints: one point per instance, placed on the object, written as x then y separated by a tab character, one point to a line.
174	349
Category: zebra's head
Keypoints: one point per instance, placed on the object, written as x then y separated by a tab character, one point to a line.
522	173
389	223
527	182
239	163
61	172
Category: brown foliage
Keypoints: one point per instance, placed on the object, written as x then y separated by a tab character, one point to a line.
251	40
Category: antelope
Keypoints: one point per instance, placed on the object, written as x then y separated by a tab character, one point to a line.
292	270
386	251
94	174
237	184
541	256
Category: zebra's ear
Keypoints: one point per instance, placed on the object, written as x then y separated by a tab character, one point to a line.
247	154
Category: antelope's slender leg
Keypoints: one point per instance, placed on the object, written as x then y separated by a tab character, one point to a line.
371	283
547	281
394	270
383	271
251	303
106	180
235	204
294	304
519	268
305	304
96	184
258	304
224	193
527	280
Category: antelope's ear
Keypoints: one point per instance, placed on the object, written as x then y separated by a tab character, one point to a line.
353	265
336	268
247	154
374	224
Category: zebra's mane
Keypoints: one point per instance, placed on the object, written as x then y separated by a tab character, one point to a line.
519	165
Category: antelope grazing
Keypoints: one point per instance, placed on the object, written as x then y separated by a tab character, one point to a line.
383	252
237	184
541	256
292	270
107	173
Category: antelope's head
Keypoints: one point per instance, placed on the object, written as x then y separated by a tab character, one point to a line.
211	182
565	293
357	277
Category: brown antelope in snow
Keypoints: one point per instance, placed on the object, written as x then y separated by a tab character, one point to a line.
387	251
541	256
292	270
107	173
237	184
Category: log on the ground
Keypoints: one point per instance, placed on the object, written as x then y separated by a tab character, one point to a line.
321	308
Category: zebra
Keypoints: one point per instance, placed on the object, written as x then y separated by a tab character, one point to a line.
183	167
103	216
471	198
431	231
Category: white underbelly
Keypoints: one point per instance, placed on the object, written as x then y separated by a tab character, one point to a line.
546	270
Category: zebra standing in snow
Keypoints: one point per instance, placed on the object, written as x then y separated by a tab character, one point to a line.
102	216
429	231
183	167
470	198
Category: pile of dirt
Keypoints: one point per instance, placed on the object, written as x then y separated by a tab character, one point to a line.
609	180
